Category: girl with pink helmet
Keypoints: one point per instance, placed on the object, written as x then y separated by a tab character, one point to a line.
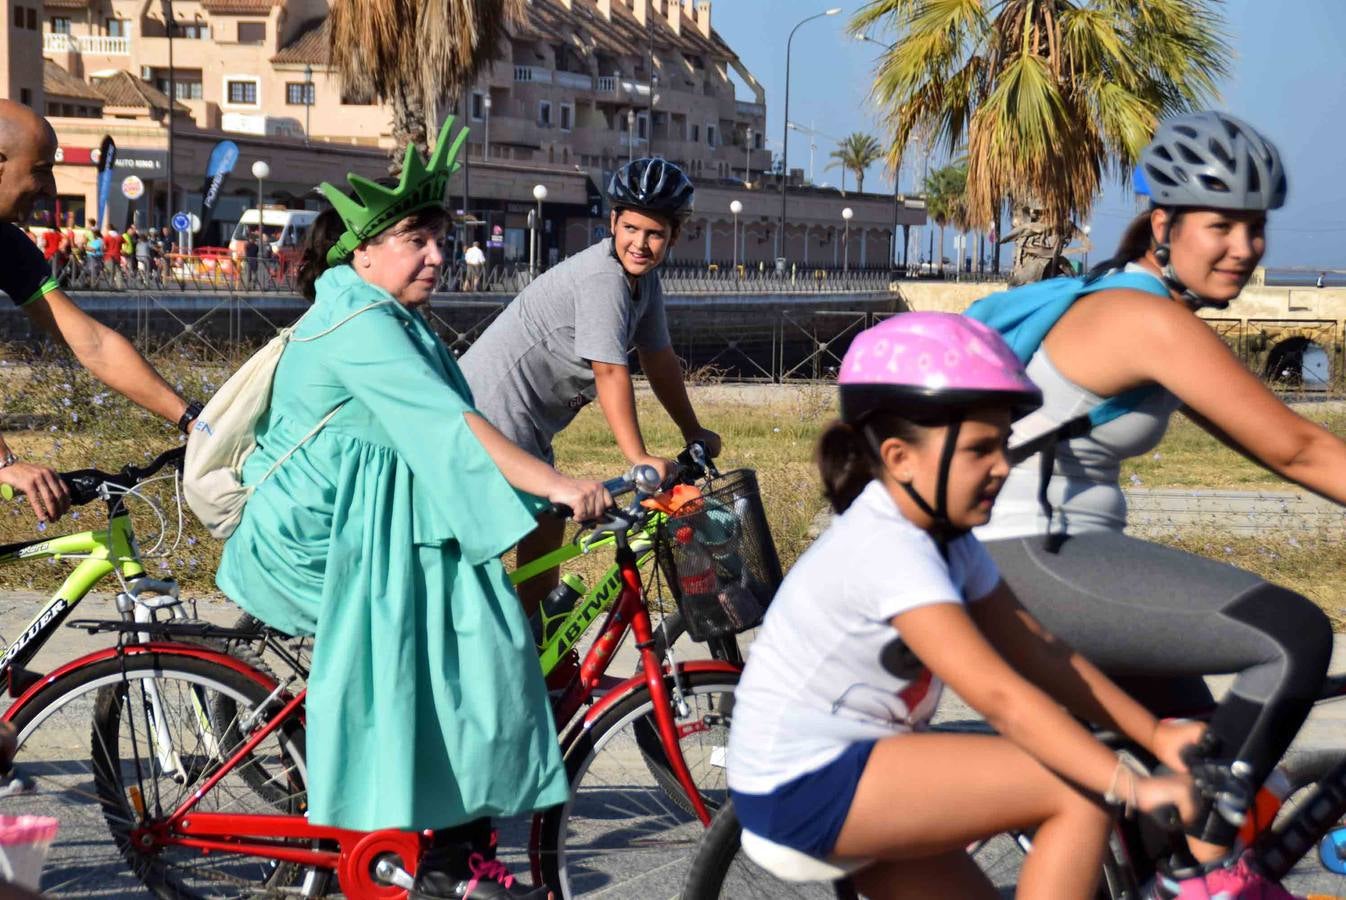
826	755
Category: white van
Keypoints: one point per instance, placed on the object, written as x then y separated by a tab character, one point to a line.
285	230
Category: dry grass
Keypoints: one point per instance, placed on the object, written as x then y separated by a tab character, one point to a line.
57	414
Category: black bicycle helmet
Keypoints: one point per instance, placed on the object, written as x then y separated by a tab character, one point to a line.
652	185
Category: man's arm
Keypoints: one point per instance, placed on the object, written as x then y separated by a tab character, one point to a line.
109	356
617	396
664	371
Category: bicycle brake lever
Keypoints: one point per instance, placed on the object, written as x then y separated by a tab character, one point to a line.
614	523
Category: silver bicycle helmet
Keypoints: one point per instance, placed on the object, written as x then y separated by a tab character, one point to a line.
1214	161
652	185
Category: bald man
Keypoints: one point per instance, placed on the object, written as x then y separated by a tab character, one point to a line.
27	156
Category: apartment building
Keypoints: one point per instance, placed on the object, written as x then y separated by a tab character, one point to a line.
578	88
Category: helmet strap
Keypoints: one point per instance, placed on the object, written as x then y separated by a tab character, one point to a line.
1163	254
941	529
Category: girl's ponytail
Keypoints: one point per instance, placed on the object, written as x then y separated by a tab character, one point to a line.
844	464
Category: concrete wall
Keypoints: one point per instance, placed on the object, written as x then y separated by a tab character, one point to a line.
21	52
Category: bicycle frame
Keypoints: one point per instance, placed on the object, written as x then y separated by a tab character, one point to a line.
103	552
358	853
599	598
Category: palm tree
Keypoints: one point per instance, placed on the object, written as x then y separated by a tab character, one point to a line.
411	54
946	201
855	154
1046	96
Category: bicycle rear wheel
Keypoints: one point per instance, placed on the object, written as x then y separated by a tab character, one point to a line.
105	782
621	834
721	869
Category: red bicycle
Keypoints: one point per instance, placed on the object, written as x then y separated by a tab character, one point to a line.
227	817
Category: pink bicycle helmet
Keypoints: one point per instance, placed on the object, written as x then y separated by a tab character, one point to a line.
932	366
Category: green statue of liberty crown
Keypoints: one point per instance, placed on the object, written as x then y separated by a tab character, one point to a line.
423	185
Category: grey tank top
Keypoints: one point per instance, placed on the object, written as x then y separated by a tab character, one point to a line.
1084	491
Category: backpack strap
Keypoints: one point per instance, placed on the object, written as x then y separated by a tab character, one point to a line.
336	409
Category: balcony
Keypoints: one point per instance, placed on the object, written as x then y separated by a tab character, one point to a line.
744	108
576	80
97	44
532	74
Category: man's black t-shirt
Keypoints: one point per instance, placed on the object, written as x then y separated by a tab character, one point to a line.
24	274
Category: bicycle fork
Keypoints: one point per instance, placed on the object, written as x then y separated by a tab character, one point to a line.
654	680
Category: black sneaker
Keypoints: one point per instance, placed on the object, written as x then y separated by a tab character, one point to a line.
463	872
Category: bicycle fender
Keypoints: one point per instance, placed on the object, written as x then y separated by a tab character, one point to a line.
637	682
163	647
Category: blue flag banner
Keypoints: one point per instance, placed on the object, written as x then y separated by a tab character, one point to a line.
107	157
221	163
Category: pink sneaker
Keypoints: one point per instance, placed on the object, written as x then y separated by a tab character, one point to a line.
1236	882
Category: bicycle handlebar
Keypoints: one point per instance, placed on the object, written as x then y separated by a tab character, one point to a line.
693	464
86	484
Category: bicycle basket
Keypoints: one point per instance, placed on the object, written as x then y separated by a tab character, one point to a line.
721	561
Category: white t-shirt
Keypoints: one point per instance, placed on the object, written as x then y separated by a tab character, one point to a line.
827	668
474	257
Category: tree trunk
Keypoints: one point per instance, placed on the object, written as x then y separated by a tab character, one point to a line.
859	181
409	127
941	251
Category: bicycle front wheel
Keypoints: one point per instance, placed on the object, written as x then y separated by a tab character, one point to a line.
621	833
154	743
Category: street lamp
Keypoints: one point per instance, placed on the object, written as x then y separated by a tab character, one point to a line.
308	100
747	157
486	137
897	175
735	207
539	194
630	135
260	171
1086	229
785	144
846	240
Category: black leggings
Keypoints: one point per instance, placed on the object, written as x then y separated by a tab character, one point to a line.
1157	619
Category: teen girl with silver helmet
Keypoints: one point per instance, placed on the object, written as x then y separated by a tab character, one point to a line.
1157	618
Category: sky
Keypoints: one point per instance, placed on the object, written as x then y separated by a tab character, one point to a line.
1288	79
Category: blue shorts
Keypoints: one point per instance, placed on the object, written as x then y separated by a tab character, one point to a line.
806	814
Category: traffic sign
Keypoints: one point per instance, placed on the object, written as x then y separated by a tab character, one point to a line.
181	222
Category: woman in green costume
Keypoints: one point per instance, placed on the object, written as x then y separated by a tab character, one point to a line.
381	536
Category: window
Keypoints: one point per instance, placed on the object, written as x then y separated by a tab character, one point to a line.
544	113
252	32
356	100
642	126
60	25
25	96
710	135
299	93
623	123
241	92
478	108
696	134
186	83
757	136
18	17
567	116
118	28
31	17
194	31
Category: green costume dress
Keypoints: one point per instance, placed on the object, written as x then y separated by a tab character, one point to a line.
381	537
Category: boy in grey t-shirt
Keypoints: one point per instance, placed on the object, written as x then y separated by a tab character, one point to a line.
565	341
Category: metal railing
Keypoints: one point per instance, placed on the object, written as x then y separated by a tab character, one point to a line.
753	279
212	273
226	274
99	44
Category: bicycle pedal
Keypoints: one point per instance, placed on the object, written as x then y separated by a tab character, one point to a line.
21	679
